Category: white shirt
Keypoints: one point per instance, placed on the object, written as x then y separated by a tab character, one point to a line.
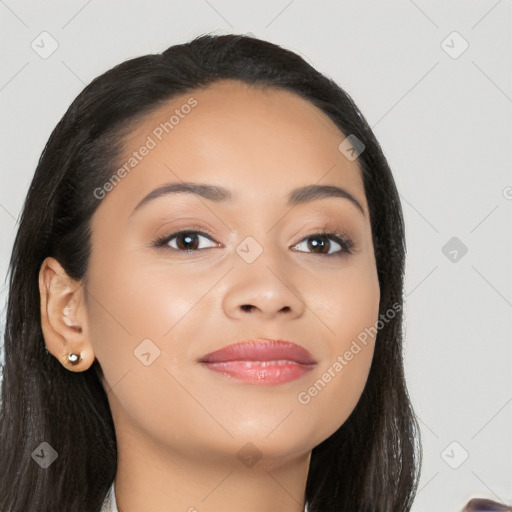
110	504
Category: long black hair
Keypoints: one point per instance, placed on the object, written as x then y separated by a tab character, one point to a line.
371	463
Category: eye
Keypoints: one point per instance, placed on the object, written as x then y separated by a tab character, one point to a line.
186	240
319	244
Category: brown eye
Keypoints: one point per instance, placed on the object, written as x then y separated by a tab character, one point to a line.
186	240
319	244
322	243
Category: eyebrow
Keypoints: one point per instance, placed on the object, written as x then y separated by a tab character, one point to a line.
219	194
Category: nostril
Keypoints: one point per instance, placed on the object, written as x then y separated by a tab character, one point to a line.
247	307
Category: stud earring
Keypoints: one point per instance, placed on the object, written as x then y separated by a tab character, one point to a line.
74	358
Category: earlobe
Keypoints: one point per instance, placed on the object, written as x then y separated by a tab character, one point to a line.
61	308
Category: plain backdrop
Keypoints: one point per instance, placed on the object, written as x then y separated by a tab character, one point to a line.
434	80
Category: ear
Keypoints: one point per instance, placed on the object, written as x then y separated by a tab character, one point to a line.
65	331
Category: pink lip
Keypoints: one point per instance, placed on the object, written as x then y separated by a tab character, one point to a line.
261	361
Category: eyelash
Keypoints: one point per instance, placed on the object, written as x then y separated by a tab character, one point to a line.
345	242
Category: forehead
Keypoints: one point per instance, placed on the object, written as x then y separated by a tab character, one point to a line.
258	141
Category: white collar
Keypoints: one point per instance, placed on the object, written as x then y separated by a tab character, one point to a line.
110	504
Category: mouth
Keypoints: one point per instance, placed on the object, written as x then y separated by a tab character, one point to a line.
261	361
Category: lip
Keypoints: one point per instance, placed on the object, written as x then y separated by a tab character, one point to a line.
261	361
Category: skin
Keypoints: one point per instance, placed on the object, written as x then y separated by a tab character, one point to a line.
180	426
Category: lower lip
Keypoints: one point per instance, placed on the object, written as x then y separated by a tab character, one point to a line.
261	372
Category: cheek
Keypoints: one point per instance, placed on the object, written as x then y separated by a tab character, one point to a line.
348	317
348	303
138	320
134	313
132	300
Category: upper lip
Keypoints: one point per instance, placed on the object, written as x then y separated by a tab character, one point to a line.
260	349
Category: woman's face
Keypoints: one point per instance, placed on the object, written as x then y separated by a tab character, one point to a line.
256	269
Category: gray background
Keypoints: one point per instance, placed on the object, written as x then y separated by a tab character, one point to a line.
443	118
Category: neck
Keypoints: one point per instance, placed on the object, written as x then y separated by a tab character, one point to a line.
157	478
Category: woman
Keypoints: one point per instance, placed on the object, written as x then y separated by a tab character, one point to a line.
205	306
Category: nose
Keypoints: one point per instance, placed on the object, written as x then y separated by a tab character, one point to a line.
263	290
